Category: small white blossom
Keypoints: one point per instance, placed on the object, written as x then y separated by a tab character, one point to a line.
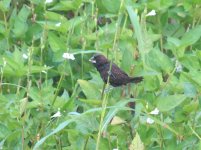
151	13
25	56
178	66
115	148
48	1
155	111
58	24
150	121
57	114
68	56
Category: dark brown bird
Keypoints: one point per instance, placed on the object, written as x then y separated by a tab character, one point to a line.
117	76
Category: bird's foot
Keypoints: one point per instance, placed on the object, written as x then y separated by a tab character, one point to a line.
111	74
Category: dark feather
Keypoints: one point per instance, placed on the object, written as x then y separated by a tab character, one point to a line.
117	76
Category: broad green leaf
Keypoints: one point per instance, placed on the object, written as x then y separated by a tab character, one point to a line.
194	77
54	16
111	6
67	5
191	36
87	123
21	26
89	89
190	61
34	31
151	83
56	43
136	143
5	5
167	103
4	130
191	107
159	61
173	30
135	23
173	43
189	89
127	60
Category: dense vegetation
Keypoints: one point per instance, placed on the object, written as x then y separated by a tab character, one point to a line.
51	97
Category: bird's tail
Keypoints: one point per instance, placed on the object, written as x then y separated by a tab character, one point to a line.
136	79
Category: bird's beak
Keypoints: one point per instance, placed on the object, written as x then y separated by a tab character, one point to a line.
92	60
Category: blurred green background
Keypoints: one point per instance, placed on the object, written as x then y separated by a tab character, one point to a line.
52	102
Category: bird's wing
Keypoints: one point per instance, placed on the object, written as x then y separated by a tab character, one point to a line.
116	71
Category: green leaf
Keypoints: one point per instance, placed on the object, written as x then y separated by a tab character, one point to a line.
138	31
159	61
67	5
136	143
194	77
20	25
191	36
190	61
127	60
166	103
151	83
55	42
89	89
111	6
5	5
4	130
189	89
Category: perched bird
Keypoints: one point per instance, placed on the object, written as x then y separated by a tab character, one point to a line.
117	76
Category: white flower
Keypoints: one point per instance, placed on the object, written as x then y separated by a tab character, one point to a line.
115	148
151	13
178	66
150	121
58	24
68	56
48	1
155	111
57	114
25	56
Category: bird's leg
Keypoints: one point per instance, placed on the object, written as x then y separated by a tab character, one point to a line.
123	93
129	89
108	89
111	74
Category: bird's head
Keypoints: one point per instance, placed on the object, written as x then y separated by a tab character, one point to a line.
98	60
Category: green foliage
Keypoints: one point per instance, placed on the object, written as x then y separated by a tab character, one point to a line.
52	97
